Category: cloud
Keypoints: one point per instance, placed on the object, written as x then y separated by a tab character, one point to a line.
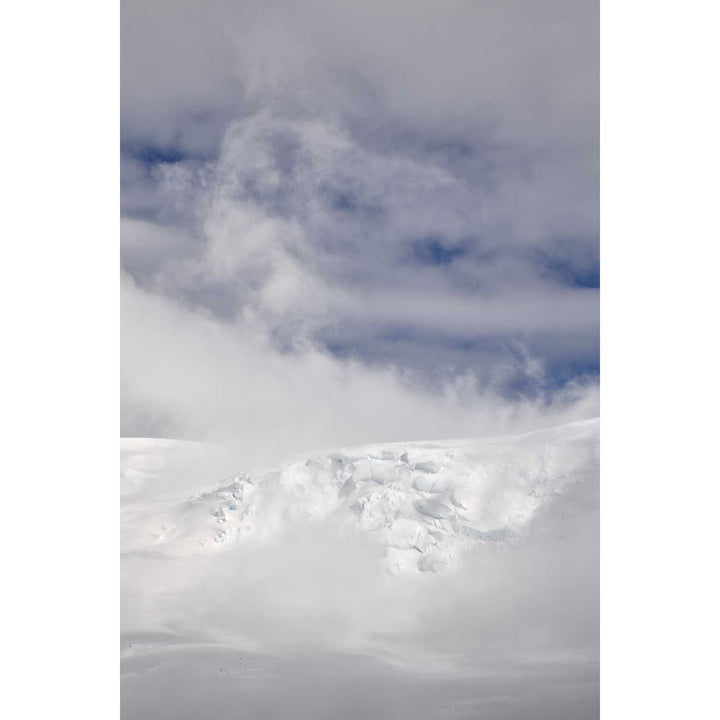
299	227
524	69
186	374
286	168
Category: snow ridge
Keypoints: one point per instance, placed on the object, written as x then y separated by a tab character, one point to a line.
425	502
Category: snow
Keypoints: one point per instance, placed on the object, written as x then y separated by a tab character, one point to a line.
426	579
427	501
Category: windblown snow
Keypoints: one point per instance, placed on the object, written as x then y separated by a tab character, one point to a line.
424	579
426	501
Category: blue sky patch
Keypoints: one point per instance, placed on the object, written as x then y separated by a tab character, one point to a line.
431	251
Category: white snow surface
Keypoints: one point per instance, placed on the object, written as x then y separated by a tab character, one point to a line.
424	502
418	580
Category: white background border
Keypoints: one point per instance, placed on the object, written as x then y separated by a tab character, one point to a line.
59	526
660	363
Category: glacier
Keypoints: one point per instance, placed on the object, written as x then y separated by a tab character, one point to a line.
432	579
427	501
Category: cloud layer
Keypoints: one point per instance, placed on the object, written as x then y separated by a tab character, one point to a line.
389	208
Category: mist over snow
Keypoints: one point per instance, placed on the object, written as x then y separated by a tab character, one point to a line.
360	285
471	561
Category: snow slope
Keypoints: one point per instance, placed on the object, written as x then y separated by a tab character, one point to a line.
425	502
418	580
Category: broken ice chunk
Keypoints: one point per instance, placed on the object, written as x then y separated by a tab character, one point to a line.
428	466
384	455
406	534
383	472
430	484
348	488
433	509
362	473
341	466
435	562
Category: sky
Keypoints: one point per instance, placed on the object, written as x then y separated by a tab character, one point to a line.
365	222
352	222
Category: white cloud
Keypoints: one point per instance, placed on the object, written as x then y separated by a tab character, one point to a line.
186	374
300	226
